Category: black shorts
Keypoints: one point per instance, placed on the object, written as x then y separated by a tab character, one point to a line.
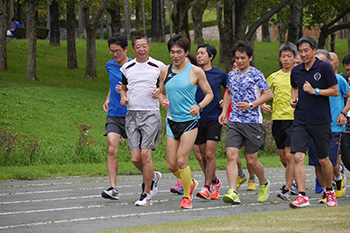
282	132
208	131
321	135
176	129
334	149
115	125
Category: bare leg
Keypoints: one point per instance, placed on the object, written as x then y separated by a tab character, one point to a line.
299	170
112	162
232	167
258	168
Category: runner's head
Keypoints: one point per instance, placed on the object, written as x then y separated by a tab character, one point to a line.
243	54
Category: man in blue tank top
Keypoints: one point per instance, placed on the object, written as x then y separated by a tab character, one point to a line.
178	86
209	129
115	122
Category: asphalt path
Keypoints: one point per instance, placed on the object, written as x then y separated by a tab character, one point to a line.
75	204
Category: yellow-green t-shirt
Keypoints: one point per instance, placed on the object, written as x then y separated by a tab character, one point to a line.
280	86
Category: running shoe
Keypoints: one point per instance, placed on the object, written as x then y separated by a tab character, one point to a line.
241	181
323	199
185	203
110	193
214	190
231	197
331	199
145	200
284	194
193	187
300	201
341	168
204	193
294	189
155	180
251	185
264	191
340	187
318	187
177	188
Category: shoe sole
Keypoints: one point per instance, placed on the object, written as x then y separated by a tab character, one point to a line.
149	204
283	197
201	196
105	195
300	206
229	200
176	191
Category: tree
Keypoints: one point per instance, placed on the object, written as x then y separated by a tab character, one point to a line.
158	21
127	18
179	16
197	11
90	24
3	29
295	21
72	62
242	17
32	38
226	32
137	14
114	11
54	24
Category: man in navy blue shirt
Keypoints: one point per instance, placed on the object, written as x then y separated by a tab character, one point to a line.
312	82
209	129
115	122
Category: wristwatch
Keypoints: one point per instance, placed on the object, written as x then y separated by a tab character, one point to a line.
251	105
317	91
200	108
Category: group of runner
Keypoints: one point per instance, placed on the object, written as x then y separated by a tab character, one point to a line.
190	90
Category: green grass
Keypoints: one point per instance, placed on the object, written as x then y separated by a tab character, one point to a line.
300	220
52	108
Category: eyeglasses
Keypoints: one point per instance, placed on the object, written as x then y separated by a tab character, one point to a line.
118	51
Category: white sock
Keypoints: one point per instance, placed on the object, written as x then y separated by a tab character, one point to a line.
338	178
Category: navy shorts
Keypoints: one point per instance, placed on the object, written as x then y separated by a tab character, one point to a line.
208	131
334	148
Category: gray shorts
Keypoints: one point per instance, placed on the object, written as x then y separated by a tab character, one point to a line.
250	135
143	129
115	125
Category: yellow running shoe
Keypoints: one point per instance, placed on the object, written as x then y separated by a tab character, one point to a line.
241	181
340	187
231	197
323	199
264	191
251	185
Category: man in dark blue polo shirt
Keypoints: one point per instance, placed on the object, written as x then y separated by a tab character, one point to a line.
312	82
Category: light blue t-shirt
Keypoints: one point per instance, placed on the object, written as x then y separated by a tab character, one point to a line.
337	103
246	87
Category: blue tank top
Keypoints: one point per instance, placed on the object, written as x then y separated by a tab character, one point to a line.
181	94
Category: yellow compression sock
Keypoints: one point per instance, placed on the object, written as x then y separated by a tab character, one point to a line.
186	181
177	174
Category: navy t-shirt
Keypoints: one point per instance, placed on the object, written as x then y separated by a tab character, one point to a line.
216	79
312	109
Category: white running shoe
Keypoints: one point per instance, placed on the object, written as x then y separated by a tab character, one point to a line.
155	180
110	193
145	200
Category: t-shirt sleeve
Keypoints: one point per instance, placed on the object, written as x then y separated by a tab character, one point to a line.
124	80
224	80
292	80
343	86
261	82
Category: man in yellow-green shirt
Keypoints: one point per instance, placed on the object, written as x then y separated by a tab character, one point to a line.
283	115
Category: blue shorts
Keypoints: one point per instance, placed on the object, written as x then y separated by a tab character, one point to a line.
334	149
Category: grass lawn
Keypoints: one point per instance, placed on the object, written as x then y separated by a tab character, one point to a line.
48	115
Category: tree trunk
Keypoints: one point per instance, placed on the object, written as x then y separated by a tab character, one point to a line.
294	24
12	10
226	35
48	21
197	11
90	23
81	29
109	27
157	31
282	32
143	17
28	18
32	33
127	19
54	24
3	29
333	42
219	8
114	11
170	20
101	29
72	62
137	14
266	37
179	16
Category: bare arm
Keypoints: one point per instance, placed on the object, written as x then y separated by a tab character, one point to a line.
108	99
331	91
124	100
264	97
162	93
294	101
342	118
227	99
208	93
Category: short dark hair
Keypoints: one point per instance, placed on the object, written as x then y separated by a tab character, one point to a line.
210	50
241	46
118	39
179	40
346	60
307	39
233	60
325	53
138	36
289	46
192	59
14	19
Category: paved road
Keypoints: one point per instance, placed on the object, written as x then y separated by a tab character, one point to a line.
75	205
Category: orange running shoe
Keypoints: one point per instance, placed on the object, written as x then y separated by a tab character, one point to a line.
214	195
186	203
